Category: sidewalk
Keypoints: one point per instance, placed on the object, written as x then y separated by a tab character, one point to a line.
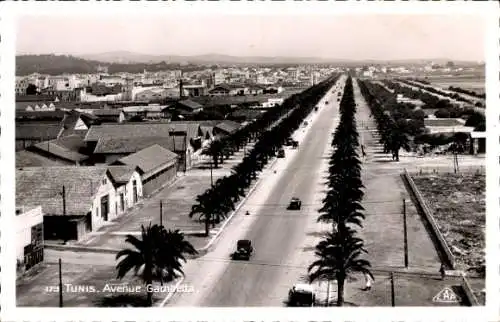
383	203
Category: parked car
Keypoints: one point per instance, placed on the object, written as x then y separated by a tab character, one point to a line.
295	204
302	294
316	108
326	103
281	153
244	249
295	144
289	141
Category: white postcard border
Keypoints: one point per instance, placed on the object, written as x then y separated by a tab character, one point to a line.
8	12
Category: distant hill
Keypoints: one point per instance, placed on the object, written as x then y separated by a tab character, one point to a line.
132	57
59	64
124	61
53	64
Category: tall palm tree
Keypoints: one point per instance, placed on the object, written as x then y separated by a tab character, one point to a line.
338	257
158	255
205	208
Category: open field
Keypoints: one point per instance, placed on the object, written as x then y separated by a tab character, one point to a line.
458	204
476	83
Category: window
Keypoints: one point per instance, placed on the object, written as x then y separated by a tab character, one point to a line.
104	181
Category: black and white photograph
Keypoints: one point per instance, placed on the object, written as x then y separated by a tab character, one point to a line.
250	161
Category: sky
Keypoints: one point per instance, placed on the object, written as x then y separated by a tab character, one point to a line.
357	37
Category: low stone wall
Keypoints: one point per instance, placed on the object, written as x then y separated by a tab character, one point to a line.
422	205
469	292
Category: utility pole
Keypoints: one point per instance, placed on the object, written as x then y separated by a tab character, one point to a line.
211	175
161	212
327	293
64	199
185	152
393	299
405	231
60	285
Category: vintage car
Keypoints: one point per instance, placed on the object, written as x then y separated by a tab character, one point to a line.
244	249
295	204
301	294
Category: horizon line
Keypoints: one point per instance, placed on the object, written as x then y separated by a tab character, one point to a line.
77	55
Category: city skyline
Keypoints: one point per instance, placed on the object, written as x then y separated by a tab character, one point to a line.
401	37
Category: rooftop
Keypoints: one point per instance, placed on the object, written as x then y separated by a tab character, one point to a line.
142	129
149	159
43	186
30	159
128	144
66	147
121	173
39	131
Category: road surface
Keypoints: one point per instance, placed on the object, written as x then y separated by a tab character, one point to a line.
280	237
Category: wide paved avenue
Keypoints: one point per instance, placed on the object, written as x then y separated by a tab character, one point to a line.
279	236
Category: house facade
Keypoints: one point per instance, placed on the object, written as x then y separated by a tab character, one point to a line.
128	185
29	238
75	200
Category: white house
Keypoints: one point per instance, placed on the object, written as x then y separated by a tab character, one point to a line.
29	237
128	184
76	200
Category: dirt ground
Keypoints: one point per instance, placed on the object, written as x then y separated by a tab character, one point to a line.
458	204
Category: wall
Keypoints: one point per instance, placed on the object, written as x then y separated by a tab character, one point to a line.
422	205
128	191
105	188
24	222
159	178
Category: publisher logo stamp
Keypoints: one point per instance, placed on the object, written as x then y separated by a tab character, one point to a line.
446	295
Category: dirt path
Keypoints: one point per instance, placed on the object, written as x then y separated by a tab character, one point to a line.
383	203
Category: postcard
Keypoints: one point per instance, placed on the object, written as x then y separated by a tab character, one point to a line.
249	161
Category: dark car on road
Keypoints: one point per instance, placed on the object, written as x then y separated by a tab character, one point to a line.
244	249
301	294
281	153
295	204
295	144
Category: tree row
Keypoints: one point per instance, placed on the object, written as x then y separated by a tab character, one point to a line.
271	132
338	254
434	90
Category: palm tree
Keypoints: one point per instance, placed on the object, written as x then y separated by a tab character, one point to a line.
215	150
157	256
337	259
205	207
